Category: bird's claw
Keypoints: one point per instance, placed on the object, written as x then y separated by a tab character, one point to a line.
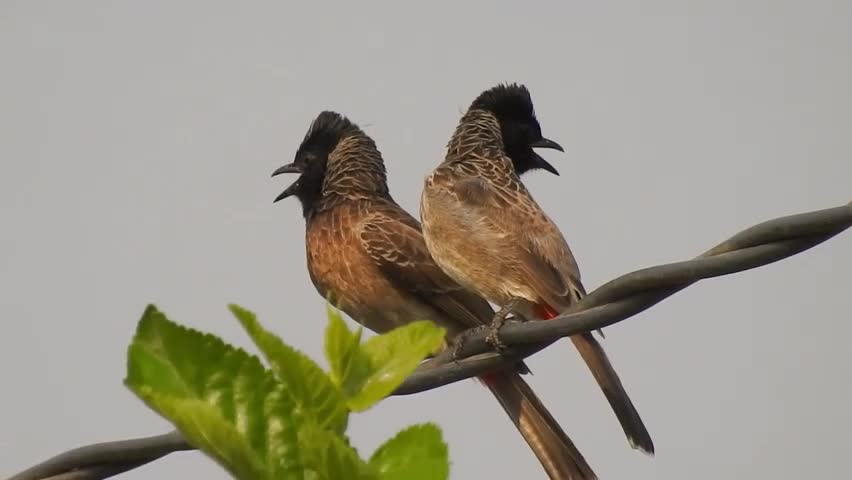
459	341
493	337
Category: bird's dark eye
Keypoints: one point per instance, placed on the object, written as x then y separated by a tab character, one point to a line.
304	159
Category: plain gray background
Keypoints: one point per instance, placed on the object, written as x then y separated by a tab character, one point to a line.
137	140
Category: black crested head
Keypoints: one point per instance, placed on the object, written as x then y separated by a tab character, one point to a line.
512	105
326	131
508	102
311	159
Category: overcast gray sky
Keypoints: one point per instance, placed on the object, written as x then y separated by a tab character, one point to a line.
137	140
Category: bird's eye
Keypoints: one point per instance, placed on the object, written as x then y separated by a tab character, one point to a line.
304	159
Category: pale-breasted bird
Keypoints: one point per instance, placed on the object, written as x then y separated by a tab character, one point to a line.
367	256
485	230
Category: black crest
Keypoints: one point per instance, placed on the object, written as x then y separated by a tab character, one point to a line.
326	131
311	160
360	170
508	102
512	106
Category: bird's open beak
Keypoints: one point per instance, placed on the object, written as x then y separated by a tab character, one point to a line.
542	163
547	143
290	168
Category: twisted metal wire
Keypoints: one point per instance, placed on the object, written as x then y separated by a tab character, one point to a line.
613	302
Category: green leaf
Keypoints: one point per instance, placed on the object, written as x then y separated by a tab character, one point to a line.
416	453
311	389
203	426
392	357
329	457
350	368
368	373
219	397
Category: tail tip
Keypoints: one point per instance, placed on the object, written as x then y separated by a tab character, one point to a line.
644	446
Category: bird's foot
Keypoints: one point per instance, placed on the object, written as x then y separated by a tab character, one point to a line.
497	323
460	339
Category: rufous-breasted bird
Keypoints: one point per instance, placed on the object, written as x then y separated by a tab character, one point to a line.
367	256
485	230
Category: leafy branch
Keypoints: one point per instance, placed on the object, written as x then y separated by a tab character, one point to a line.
288	420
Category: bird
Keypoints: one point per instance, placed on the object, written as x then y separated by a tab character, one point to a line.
487	232
367	256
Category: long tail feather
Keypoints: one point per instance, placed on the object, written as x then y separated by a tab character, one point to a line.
556	452
597	361
595	357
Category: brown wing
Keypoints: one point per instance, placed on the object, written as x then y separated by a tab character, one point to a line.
393	239
509	215
550	258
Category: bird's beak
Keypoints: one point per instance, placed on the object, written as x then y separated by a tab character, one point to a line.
547	143
542	163
291	168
